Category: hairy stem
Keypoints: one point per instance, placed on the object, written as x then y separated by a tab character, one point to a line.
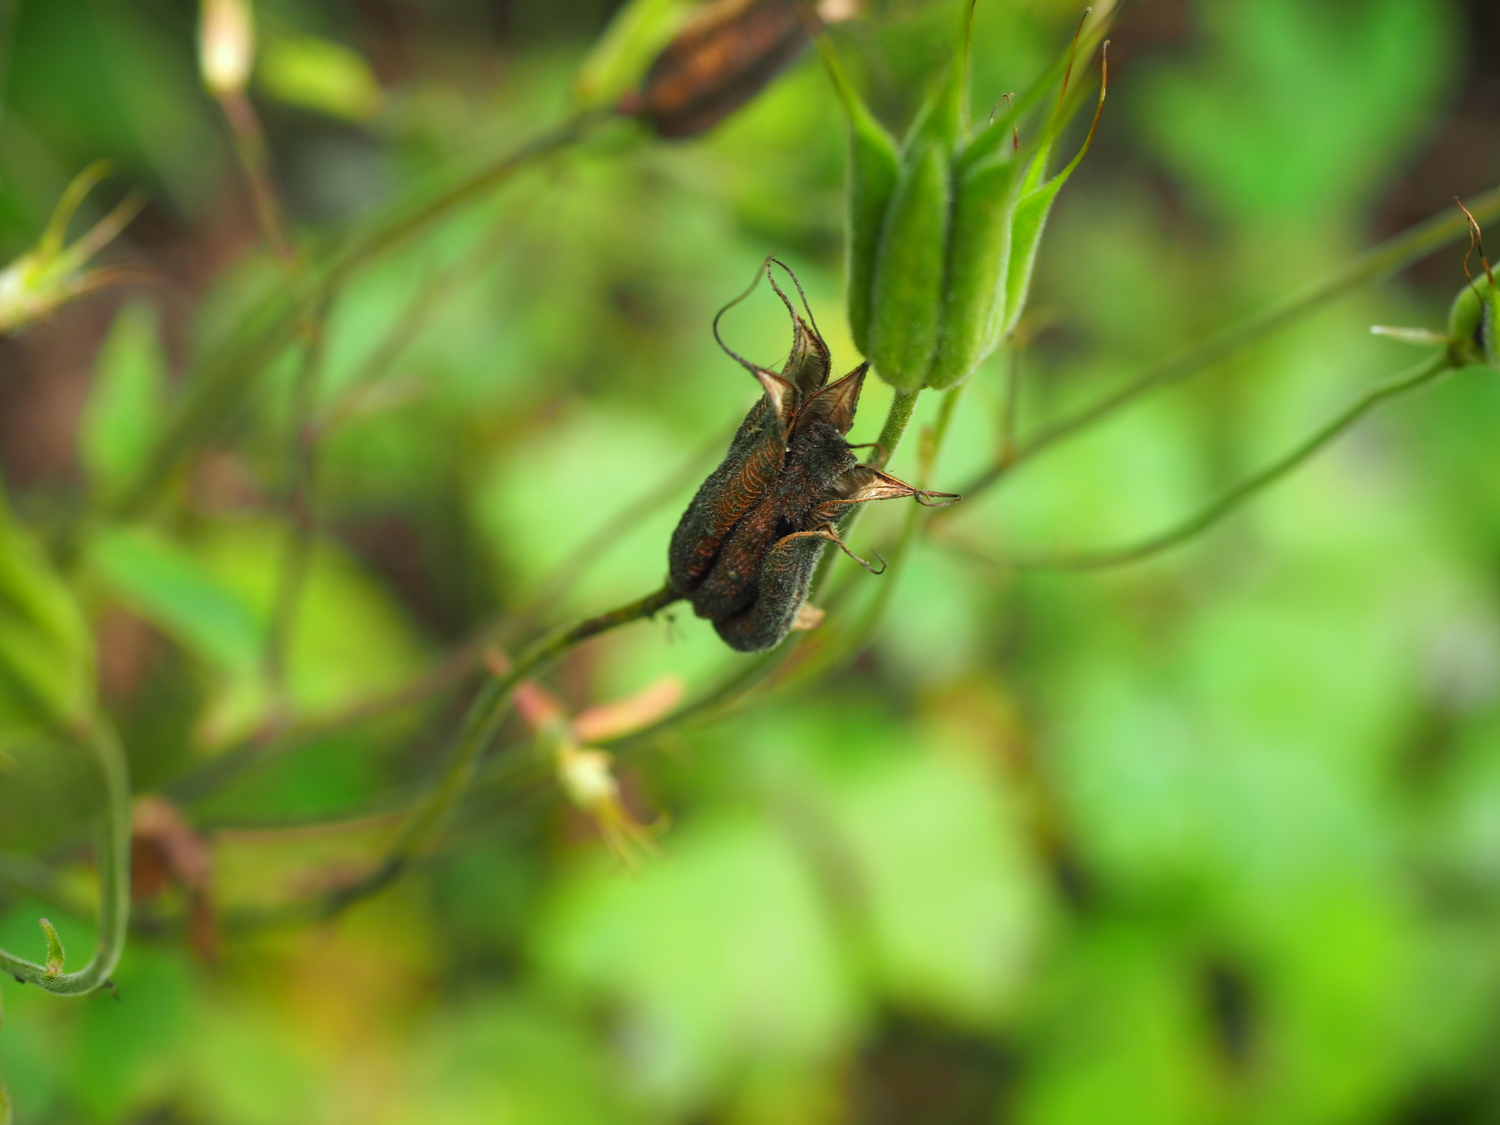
113	852
1424	374
1374	264
896	421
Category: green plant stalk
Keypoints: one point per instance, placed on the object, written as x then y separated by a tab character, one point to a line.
114	880
479	725
1424	374
227	374
897	418
255	163
843	646
1372	265
301	507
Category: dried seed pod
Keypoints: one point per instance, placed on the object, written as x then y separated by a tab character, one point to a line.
748	544
722	59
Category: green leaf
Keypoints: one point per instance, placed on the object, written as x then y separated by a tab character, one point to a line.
320	75
952	903
1337	94
173	590
5	1117
720	952
125	407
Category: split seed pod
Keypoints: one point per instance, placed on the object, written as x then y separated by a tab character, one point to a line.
748	544
943	232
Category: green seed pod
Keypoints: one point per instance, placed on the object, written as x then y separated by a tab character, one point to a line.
873	170
908	284
1474	322
942	240
974	296
912	261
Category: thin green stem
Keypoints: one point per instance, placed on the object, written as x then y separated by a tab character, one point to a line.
446	202
479	725
1424	374
1373	265
255	163
301	506
223	379
1010	410
276	741
113	852
896	421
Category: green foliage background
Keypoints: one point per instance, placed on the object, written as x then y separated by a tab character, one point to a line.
1211	838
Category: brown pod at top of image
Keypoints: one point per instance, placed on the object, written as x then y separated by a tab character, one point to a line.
726	55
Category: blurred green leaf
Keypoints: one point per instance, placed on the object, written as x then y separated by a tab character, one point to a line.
318	74
953	906
46	650
719	952
514	1061
169	586
1270	124
639	29
127	403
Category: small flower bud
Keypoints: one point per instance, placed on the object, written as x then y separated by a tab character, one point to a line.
226	45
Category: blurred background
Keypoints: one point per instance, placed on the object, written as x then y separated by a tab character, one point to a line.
1210	838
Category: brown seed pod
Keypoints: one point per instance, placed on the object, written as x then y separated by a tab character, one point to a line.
721	60
746	548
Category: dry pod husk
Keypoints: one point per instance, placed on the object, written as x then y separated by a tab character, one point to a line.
745	550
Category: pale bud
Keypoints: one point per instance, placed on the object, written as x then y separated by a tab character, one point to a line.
226	45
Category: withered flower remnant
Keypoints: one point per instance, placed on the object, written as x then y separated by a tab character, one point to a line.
725	56
745	550
53	273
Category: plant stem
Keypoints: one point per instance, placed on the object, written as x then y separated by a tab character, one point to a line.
220	381
896	421
465	191
478	728
114	878
1422	375
301	507
250	148
1374	264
